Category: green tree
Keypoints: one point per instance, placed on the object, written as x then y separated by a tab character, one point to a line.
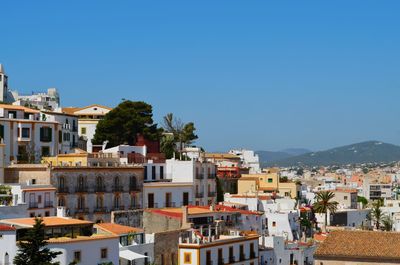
363	201
387	223
167	145
377	213
32	248
122	124
324	203
183	133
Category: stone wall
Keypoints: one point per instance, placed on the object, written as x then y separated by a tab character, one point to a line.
166	247
156	223
132	218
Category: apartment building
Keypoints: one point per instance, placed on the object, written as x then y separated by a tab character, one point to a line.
88	117
40	199
73	238
49	100
201	174
196	247
346	198
375	191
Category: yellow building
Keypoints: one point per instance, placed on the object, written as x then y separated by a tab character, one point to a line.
267	182
82	159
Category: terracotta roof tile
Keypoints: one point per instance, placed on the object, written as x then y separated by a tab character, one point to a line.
6	228
118	229
360	245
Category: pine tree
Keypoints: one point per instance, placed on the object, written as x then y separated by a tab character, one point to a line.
32	248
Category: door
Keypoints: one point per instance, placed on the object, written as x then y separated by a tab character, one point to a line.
150	200
185	199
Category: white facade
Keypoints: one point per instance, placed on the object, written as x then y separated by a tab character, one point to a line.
233	249
8	249
89	116
167	194
283	224
202	174
249	159
49	100
40	199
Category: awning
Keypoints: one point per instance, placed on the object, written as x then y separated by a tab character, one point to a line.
130	255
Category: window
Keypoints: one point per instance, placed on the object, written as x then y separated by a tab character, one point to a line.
83	130
45	134
161	172
25	132
273	224
2	131
270	180
33	181
45	151
187	258
47	213
77	256
39	198
345	197
103	253
60	138
153	172
145	173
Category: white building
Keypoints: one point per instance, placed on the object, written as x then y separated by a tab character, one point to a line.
249	159
40	199
374	191
168	194
201	174
277	251
199	247
134	245
49	100
88	116
28	137
72	237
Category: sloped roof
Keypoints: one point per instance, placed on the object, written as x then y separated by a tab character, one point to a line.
118	229
360	245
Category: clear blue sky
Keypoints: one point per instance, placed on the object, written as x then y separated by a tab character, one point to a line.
257	74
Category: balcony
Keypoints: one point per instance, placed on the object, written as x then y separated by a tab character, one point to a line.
100	188
33	205
133	188
81	188
221	262
211	176
253	255
232	259
211	194
199	176
119	208
135	207
118	188
169	204
100	210
152	205
82	210
242	257
48	204
199	194
63	190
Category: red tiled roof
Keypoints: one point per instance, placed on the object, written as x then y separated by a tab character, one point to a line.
118	229
6	228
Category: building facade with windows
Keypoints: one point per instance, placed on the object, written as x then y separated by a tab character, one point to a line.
196	247
88	117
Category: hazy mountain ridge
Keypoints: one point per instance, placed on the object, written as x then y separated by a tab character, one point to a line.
364	152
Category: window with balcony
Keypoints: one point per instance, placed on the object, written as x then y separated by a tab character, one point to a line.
45	134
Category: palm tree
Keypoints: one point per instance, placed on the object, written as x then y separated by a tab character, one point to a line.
376	213
387	223
324	204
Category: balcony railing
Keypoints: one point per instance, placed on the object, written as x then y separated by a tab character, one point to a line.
186	203
211	194
82	210
33	205
101	210
135	207
199	194
242	257
100	188
48	204
134	188
232	259
63	190
154	205
211	176
169	204
119	208
81	188
199	176
253	255
221	262
118	188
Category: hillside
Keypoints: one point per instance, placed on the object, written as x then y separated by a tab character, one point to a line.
267	157
365	152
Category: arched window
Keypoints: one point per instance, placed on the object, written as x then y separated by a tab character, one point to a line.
99	202
117	201
132	183
61	182
81	202
99	183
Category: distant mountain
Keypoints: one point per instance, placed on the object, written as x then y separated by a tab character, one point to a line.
267	157
365	152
